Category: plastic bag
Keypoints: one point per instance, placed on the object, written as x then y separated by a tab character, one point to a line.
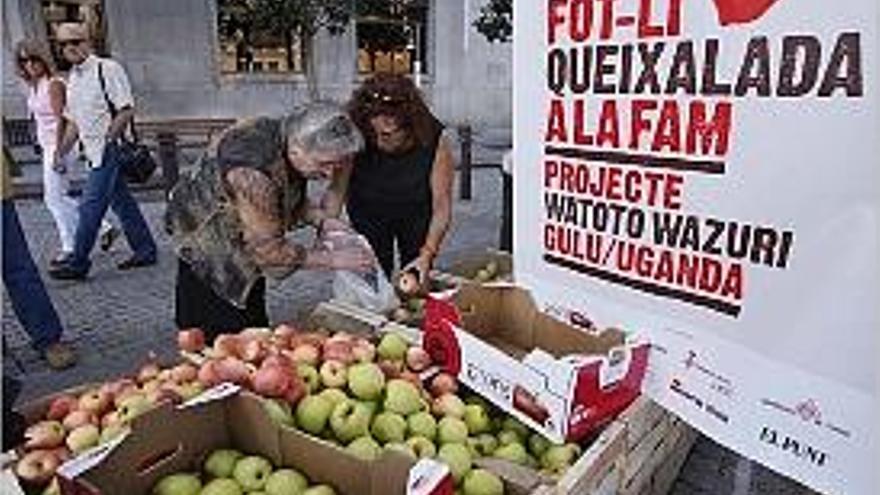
369	290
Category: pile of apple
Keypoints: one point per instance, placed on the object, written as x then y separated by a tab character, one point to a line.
74	423
230	472
368	397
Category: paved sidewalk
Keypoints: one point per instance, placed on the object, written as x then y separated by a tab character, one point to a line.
116	318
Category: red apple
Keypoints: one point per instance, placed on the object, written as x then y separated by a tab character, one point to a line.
277	360
251	349
315	339
272	381
391	369
62	406
338	350
282	335
151	386
63	453
233	370
95	401
44	435
305	354
184	372
226	345
444	383
165	393
208	375
417	359
296	391
149	371
78	418
363	351
110	418
408	283
334	374
191	340
412	378
126	391
38	466
116	387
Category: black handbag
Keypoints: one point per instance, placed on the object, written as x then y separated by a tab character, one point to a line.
137	162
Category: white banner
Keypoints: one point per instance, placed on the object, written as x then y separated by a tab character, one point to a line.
705	172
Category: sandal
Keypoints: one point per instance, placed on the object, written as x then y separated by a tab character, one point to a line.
59	356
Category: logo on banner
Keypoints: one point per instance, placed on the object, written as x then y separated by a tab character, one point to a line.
717	382
677	387
797	448
809	412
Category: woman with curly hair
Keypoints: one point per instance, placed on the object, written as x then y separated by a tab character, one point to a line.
401	185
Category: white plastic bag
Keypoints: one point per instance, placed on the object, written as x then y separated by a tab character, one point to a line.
369	290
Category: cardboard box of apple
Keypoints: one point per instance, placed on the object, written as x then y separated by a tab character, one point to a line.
367	397
71	422
231	472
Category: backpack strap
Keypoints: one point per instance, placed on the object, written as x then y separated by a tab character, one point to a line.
110	106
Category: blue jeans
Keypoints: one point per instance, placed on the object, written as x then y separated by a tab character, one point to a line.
26	291
105	187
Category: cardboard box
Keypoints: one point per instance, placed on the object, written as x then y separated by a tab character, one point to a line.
176	439
559	380
468	267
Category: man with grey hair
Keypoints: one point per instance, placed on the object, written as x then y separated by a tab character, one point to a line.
229	219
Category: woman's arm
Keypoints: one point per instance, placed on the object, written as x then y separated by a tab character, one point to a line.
442	177
57	102
256	200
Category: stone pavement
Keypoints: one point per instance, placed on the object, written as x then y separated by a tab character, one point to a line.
116	318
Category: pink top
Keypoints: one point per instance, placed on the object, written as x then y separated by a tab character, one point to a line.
40	104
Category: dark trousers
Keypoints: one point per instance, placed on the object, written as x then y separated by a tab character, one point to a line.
106	188
28	295
197	305
385	225
506	241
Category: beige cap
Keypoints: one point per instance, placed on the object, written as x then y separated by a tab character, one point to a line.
71	31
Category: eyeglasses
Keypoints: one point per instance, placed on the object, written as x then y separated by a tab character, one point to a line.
29	58
71	42
381	97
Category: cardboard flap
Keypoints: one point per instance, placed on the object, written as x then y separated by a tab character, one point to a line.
324	462
251	429
562	340
518	480
152	450
395	467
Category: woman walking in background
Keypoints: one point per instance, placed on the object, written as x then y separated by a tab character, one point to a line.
46	102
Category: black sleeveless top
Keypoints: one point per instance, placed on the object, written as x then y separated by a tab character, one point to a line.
394	180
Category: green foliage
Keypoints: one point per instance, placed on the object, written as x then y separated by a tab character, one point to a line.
496	21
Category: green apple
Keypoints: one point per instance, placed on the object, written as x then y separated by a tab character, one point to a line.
476	400
452	430
482	482
422	424
82	438
320	490
422	447
558	458
508	437
312	413
251	472
112	431
477	419
334	395
366	381
482	445
279	412
513	452
538	444
350	419
448	405
310	376
458	458
402	397
222	486
512	424
221	463
401	447
286	482
389	427
133	406
393	347
178	484
364	448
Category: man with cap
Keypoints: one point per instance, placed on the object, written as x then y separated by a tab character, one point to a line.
229	219
100	104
